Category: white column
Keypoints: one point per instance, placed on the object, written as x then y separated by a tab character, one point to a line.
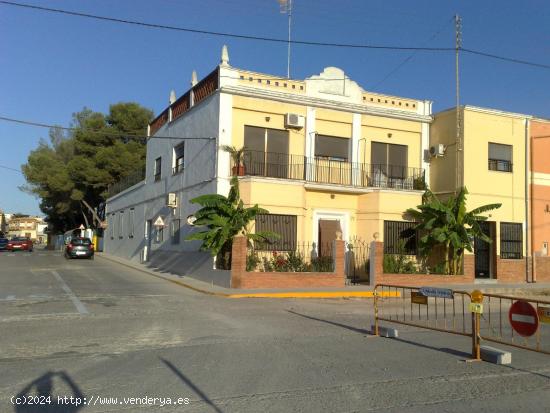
425	137
224	138
310	140
354	150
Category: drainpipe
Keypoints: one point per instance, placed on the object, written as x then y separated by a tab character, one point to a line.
527	232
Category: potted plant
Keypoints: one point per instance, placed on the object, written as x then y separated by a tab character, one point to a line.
237	156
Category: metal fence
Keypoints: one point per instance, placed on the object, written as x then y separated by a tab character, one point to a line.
522	322
357	261
331	171
532	317
305	257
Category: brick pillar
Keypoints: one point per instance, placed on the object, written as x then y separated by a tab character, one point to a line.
469	265
340	258
376	267
238	260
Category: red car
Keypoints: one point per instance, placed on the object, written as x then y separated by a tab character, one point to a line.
19	244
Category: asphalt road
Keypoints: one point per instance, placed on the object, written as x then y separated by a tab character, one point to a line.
106	333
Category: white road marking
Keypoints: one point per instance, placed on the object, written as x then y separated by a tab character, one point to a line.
77	303
523	318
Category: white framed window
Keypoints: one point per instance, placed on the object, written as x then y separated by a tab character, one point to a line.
178	158
121	224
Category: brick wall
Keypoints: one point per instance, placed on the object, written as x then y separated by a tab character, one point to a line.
417	279
542	266
510	271
240	278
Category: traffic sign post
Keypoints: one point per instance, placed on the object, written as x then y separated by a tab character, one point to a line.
523	318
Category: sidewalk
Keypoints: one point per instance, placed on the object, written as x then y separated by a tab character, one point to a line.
349	291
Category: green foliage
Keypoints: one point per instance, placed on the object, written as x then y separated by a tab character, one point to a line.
80	165
224	218
237	154
439	268
252	261
322	264
449	225
398	264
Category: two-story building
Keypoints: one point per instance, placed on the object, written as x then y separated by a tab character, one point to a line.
25	227
490	158
325	158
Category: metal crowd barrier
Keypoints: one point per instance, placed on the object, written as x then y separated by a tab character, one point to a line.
510	320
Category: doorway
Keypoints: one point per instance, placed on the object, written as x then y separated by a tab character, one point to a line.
485	251
328	228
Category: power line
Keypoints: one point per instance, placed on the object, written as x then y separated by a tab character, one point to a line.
409	58
115	134
271	39
11	169
212	33
506	59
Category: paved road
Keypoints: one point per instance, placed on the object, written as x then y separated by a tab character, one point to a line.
100	331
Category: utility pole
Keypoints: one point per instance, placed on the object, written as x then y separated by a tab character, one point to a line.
458	140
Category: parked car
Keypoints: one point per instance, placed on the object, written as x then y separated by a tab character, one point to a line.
20	244
3	244
79	247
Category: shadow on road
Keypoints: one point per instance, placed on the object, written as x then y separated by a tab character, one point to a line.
40	393
189	383
355	329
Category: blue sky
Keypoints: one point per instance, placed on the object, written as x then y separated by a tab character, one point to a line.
52	65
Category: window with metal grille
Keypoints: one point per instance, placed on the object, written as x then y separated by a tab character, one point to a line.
284	225
511	240
400	238
121	224
500	157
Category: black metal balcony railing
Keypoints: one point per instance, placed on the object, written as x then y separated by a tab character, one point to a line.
126	182
328	171
500	165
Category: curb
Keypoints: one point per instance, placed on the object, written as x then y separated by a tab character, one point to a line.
297	294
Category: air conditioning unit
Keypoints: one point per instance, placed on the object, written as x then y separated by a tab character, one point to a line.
172	200
437	150
293	120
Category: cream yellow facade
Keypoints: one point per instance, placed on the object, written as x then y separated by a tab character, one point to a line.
488	180
263	101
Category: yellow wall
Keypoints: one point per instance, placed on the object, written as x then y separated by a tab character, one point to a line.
443	169
366	212
484	186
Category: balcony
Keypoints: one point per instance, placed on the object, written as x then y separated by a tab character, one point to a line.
331	171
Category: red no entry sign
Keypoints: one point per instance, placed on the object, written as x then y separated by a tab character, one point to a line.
523	318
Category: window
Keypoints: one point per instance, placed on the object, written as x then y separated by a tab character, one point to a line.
331	148
112	226
179	152
400	237
131	223
121	224
175	231
266	152
284	225
389	159
159	234
500	157
511	240
158	167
